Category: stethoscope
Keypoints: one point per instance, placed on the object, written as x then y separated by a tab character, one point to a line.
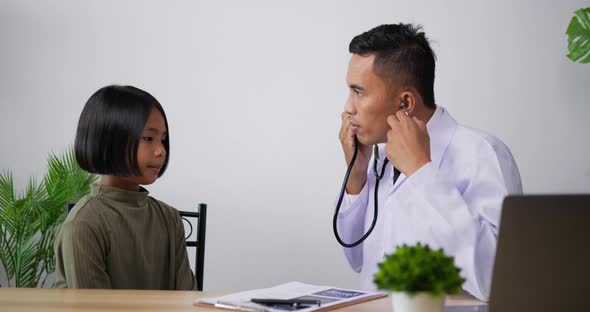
378	177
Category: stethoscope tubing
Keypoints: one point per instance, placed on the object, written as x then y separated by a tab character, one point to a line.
343	189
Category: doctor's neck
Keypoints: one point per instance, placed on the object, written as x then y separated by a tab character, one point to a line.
422	112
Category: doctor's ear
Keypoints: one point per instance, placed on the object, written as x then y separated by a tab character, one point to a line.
408	102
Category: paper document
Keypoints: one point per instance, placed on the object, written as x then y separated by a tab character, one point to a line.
329	298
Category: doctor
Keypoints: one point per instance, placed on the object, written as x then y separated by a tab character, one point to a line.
452	179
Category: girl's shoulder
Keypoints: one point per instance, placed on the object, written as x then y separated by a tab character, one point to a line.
166	209
87	206
88	210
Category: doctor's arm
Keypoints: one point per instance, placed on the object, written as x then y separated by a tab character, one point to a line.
350	225
351	216
465	222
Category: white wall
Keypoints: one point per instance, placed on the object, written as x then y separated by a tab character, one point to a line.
254	89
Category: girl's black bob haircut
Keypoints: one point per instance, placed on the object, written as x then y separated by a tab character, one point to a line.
110	127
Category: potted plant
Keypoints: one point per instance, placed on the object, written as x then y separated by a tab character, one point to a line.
30	220
418	278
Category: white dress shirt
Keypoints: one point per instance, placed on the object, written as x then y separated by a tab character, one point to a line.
453	202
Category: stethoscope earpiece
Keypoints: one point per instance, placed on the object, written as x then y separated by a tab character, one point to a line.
404	106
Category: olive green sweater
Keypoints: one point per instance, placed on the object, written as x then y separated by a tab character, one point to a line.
114	238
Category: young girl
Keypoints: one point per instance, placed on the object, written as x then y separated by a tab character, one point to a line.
117	236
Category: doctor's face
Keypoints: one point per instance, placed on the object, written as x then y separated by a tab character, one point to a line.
370	100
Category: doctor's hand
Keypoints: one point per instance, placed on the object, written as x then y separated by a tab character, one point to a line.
358	175
408	143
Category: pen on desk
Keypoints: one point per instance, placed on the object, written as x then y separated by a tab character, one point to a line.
292	302
233	306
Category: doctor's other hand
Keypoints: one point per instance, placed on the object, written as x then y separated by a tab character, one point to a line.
408	143
358	175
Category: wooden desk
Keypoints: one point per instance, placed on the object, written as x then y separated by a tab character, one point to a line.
87	300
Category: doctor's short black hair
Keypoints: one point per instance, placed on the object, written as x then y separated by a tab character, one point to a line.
110	128
403	54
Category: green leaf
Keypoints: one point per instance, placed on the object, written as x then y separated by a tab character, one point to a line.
7	194
578	32
26	264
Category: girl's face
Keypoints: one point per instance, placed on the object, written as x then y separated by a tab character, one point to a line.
151	154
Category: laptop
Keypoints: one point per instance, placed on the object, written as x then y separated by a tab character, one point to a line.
543	256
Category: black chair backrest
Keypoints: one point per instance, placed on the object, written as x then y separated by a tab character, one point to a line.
198	243
70	206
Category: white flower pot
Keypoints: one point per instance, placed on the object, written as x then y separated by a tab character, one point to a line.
419	302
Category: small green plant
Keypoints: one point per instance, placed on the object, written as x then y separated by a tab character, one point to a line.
418	268
578	31
29	221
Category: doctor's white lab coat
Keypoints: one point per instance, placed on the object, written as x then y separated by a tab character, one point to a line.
453	202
